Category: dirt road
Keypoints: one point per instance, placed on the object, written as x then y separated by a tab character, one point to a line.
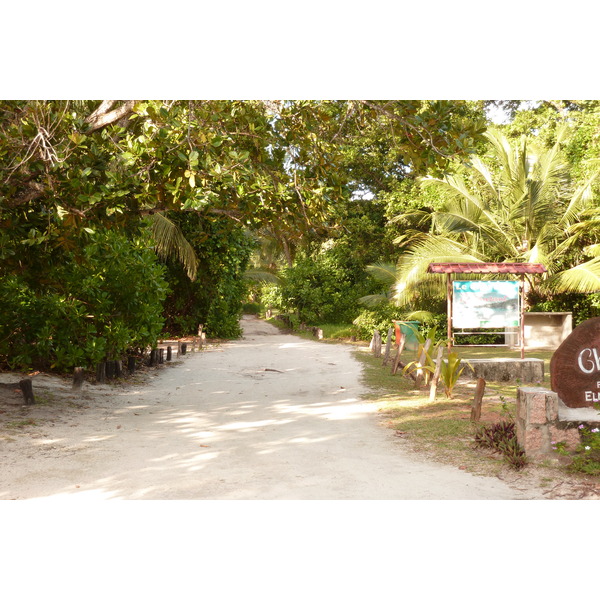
270	416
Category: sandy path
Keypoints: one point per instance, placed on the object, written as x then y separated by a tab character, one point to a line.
270	416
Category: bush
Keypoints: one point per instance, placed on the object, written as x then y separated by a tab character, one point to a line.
323	287
89	307
379	318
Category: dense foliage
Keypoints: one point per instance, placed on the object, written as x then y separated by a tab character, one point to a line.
86	306
214	299
319	190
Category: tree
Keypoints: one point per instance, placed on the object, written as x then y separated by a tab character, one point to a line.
516	204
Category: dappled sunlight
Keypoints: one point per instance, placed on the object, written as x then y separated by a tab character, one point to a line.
48	442
252	425
99	438
291	345
78	494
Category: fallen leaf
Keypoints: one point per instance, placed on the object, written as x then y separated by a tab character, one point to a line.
118	427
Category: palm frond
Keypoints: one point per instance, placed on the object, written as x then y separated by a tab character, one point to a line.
584	278
261	276
385	273
171	243
374	300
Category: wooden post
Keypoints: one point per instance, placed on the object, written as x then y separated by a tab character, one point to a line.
131	364
161	356
169	353
436	374
522	323
183	349
449	304
376	344
78	377
388	346
110	369
118	368
479	390
153	357
398	354
101	373
26	386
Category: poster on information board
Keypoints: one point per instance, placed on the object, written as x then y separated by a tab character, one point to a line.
485	304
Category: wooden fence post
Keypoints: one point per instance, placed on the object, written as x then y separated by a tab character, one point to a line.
169	353
131	364
78	376
388	346
110	369
183	349
477	400
101	372
26	386
397	361
376	344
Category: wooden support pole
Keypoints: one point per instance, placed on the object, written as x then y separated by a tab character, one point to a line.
169	353
161	356
477	400
449	304
118	368
26	386
183	348
522	323
131	364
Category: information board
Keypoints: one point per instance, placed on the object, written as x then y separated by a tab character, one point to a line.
485	304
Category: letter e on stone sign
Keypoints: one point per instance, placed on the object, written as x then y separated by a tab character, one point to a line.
575	366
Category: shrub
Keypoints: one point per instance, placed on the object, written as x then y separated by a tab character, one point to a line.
88	307
501	437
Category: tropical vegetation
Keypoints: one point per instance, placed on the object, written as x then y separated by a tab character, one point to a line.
123	221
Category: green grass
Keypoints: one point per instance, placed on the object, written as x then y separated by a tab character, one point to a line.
21	424
441	428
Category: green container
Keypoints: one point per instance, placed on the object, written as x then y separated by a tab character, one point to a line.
412	343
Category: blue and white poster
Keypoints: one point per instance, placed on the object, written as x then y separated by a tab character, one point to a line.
485	304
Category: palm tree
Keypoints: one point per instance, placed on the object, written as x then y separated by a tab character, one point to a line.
515	205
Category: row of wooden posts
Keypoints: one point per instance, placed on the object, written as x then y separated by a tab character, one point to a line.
114	369
419	375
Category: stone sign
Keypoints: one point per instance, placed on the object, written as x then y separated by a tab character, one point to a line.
575	367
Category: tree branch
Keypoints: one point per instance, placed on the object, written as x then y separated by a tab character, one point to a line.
101	117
